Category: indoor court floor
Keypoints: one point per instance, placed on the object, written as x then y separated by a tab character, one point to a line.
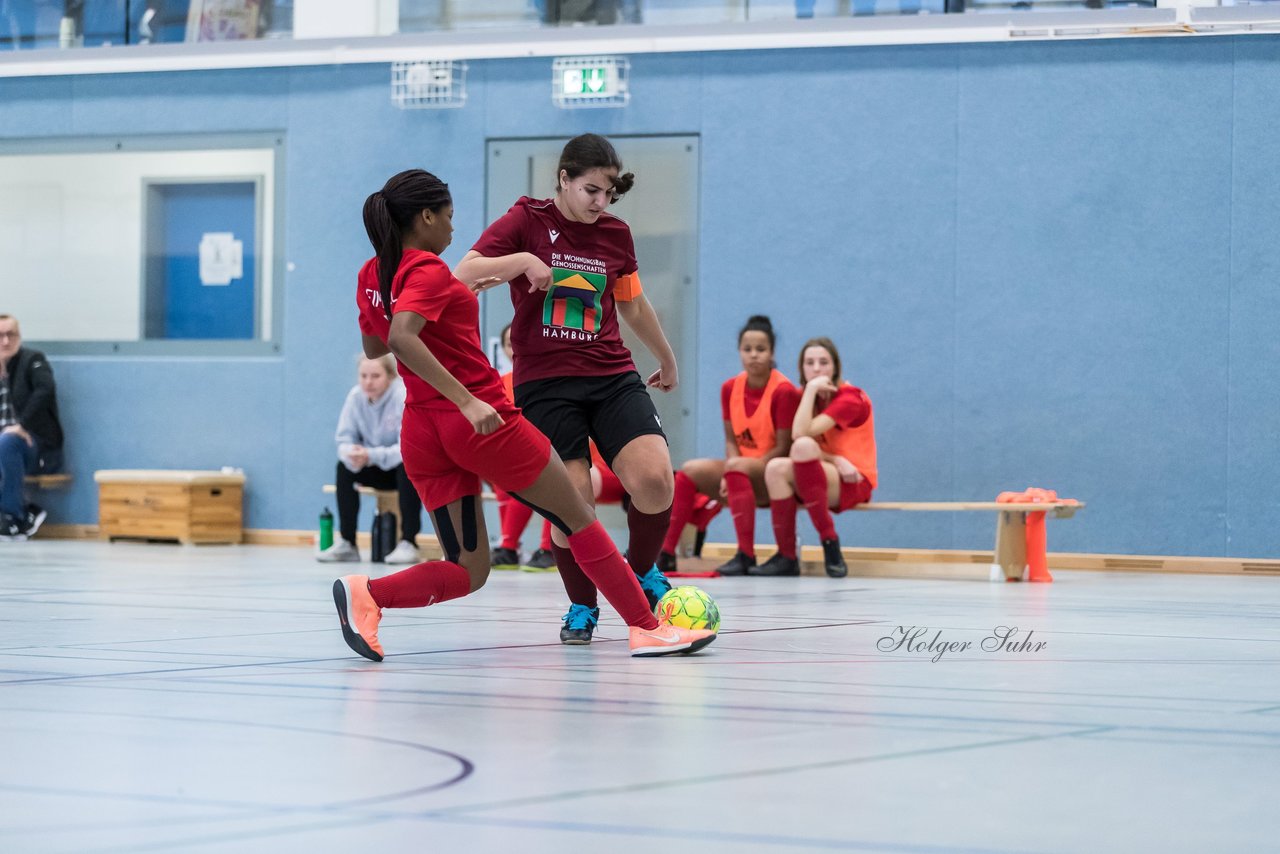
168	698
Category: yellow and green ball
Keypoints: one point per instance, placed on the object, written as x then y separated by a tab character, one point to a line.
689	608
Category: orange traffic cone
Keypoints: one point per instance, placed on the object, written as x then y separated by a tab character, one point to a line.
1037	560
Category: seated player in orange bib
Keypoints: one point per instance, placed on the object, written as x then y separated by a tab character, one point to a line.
459	427
758	406
832	465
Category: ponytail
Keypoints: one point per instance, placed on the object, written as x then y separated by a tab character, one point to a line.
388	214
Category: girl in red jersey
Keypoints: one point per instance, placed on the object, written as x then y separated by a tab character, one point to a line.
832	465
458	427
758	406
572	269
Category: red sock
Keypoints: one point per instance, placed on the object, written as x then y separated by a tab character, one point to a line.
420	585
545	545
580	589
513	524
783	511
647	531
811	486
599	559
681	511
742	505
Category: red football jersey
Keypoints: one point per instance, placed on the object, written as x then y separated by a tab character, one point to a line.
572	328
425	286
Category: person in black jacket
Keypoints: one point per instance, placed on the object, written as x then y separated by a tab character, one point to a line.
30	434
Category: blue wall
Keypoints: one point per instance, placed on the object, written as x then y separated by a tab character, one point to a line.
1050	264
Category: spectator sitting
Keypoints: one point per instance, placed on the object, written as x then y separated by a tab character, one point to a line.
369	453
30	433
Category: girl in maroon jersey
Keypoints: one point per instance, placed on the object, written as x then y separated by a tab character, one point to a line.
572	269
458	427
758	406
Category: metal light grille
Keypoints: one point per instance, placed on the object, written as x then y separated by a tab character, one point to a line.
428	84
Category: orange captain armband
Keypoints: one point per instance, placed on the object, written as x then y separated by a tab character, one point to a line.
626	288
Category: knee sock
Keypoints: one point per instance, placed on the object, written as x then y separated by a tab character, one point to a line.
580	589
811	487
545	544
681	511
599	559
783	511
647	531
424	584
514	521
742	505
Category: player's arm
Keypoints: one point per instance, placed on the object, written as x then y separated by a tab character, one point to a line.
730	442
806	423
373	346
643	321
413	352
781	445
480	273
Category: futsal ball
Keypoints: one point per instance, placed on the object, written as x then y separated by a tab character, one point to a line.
689	608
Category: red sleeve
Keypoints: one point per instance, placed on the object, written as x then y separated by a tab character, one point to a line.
850	407
786	400
726	392
505	236
425	291
366	326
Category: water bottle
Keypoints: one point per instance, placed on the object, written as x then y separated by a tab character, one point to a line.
326	529
378	545
387	532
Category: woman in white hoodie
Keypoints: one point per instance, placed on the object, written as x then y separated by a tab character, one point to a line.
369	454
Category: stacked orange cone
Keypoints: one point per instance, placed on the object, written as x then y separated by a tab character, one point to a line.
1037	559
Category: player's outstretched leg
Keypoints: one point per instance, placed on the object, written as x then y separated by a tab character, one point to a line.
360	600
553	495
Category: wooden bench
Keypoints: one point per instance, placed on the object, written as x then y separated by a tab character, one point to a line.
1011	524
388	499
187	506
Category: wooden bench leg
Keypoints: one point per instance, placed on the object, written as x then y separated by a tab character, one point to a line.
1011	544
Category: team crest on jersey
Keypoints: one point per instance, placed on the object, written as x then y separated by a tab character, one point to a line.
571	308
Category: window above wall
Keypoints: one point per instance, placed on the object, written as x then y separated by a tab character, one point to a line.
143	245
126	36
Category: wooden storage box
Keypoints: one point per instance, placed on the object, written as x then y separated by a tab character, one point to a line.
187	506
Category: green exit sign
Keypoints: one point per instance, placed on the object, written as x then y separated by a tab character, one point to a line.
590	81
586	81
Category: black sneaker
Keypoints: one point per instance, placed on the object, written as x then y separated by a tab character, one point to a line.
35	516
542	560
666	563
739	564
777	565
13	529
579	624
833	559
504	559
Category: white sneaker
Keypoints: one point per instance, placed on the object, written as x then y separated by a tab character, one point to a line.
405	552
340	552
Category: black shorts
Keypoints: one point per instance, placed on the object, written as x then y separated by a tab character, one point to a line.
611	410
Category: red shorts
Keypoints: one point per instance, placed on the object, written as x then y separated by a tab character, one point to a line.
611	490
852	494
446	458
